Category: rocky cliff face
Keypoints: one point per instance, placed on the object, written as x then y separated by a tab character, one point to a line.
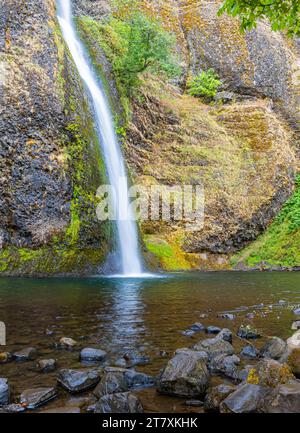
243	152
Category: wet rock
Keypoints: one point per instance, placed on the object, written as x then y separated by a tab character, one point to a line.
197	327
12	408
214	347
274	348
133	357
27	354
188	333
4	391
185	375
118	380
5	357
271	373
227	316
194	403
213	330
285	398
33	398
90	354
225	365
119	403
296	325
248	333
46	365
297	311
216	395
246	399
121	363
78	380
294	341
67	343
226	335
249	352
293	361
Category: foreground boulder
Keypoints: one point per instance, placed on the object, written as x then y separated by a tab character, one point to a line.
78	380
119	380
274	348
246	399
225	365
285	398
90	354
119	403
33	398
216	395
185	375
269	372
4	391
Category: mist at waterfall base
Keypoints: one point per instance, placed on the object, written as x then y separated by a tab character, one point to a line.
126	230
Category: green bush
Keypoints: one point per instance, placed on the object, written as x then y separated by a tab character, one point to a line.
205	84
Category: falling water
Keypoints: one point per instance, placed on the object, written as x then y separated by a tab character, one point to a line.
126	227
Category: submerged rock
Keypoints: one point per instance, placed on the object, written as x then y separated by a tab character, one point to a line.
248	333
27	354
249	352
274	348
33	398
78	380
125	402
185	375
4	391
133	357
216	395
246	399
90	354
46	365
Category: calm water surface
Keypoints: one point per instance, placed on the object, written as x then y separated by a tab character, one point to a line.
112	313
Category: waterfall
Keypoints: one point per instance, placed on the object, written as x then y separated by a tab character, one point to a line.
127	236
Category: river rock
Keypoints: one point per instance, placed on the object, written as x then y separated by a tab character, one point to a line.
185	375
78	380
5	357
188	333
296	325
133	357
46	365
125	402
225	334
247	398
213	330
214	347
197	327
294	341
248	333
285	398
216	395
12	408
27	354
227	316
90	354
4	391
271	373
225	365
67	343
118	380
249	352
33	398
274	348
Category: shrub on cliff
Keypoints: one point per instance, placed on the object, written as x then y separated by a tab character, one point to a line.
205	84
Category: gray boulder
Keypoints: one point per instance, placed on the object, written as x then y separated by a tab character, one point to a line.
213	330
119	403
4	391
33	398
285	398
214	347
249	352
185	375
225	365
274	348
246	399
133	357
78	380
94	355
27	354
46	365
